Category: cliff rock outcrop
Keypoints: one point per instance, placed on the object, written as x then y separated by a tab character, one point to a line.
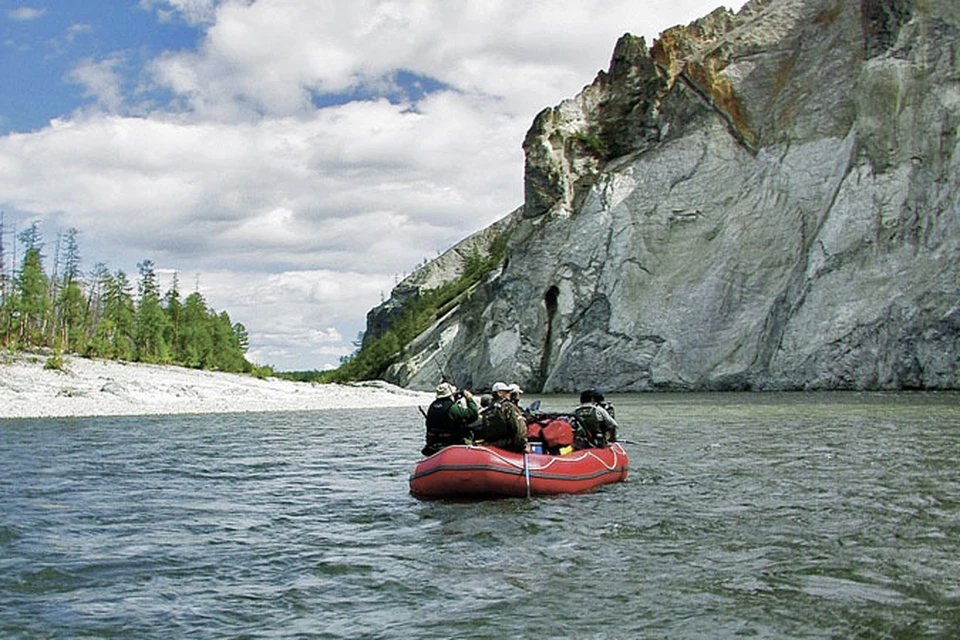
761	200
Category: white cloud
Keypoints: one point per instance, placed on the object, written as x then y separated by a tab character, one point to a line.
24	14
294	191
100	80
271	55
194	12
299	217
76	30
295	318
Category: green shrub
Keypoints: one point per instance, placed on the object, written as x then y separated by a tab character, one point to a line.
262	372
592	142
54	362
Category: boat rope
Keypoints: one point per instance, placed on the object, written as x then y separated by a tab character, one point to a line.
526	472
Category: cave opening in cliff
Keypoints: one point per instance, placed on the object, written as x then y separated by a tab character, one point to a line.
550	301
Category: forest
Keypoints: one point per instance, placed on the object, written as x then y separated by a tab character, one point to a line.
106	315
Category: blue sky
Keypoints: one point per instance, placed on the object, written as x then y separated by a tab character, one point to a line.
291	158
43	44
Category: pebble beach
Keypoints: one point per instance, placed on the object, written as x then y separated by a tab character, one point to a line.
90	387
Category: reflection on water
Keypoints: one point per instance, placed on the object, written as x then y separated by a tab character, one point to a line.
774	515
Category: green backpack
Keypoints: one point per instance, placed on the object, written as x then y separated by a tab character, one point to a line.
590	421
503	421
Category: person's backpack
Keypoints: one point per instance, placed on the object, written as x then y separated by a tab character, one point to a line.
590	421
588	418
498	423
514	418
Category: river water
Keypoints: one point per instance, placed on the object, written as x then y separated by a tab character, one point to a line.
744	515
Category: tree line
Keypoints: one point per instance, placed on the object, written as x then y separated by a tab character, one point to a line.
104	314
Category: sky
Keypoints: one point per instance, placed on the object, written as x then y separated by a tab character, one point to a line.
290	159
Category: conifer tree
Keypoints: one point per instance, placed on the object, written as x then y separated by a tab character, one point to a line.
226	354
115	332
97	279
71	305
71	256
173	307
196	340
151	327
5	310
99	315
31	305
71	308
243	338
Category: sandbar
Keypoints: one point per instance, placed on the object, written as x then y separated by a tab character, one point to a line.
84	387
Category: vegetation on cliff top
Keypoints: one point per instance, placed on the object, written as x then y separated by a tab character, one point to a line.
414	316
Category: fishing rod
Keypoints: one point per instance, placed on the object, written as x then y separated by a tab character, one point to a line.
640	444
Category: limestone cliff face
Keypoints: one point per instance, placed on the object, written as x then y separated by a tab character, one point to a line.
761	200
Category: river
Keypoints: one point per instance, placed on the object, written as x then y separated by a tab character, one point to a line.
826	515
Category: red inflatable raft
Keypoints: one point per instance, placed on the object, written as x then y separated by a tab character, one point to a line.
466	471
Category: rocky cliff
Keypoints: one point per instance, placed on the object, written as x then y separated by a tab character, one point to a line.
760	200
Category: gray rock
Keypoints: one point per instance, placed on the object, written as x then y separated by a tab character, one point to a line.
114	388
766	200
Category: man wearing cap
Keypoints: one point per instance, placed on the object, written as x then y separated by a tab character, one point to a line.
447	417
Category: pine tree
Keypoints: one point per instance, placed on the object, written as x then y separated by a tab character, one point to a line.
173	307
5	301
226	354
115	331
196	339
99	316
70	250
31	306
71	318
151	327
31	237
243	338
71	305
97	279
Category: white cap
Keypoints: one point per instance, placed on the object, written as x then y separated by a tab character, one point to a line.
445	390
500	386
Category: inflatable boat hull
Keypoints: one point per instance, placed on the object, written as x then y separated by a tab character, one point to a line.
466	471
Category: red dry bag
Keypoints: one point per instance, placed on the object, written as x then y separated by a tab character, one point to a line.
559	433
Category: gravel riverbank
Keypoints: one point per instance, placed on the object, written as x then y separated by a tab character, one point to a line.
89	387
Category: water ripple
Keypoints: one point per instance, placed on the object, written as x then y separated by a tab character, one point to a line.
780	515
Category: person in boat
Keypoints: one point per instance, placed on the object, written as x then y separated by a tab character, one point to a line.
529	411
601	401
515	393
597	428
474	428
447	418
502	422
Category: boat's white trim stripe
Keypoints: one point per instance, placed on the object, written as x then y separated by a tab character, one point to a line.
559	460
514	471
